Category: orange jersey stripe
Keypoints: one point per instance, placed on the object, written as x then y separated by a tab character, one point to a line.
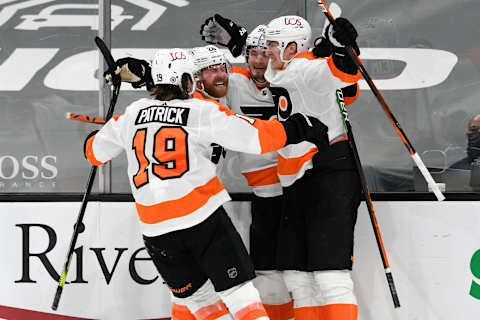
251	312
262	177
288	166
272	135
221	107
182	206
212	312
89	152
346	77
242	71
280	311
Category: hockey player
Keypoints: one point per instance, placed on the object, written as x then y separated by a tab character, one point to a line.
178	196
321	186
298	241
249	94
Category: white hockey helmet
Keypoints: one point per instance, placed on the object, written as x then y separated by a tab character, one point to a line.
255	40
169	65
287	29
207	56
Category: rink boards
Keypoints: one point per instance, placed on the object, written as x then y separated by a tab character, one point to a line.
433	249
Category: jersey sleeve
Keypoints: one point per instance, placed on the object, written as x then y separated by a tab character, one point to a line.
244	134
107	143
323	74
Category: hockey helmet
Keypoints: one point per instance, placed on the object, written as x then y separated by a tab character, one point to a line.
287	29
205	57
255	40
169	65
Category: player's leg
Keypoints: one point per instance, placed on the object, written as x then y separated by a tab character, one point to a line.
331	236
224	258
292	251
263	247
193	294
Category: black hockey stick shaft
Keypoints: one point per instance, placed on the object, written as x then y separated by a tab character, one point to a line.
396	125
368	199
79	227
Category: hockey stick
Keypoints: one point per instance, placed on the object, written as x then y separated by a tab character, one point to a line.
84	118
79	227
368	199
416	158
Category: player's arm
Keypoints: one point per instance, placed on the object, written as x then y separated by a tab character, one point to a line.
331	49
103	145
251	135
225	32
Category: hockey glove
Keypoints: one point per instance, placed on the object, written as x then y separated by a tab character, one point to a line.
340	34
135	71
323	48
299	127
225	32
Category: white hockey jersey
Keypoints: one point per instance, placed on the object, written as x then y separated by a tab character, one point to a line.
168	147
244	97
307	84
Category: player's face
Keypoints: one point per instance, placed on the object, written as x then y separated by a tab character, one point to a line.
215	80
273	52
257	63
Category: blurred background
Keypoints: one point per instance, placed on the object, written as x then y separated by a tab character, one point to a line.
423	56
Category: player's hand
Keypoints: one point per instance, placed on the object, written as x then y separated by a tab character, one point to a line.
340	34
300	127
225	32
135	71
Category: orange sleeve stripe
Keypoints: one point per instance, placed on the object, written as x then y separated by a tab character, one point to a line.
271	133
180	312
346	77
349	100
242	71
89	152
280	311
288	166
180	207
262	177
339	140
251	312
212	312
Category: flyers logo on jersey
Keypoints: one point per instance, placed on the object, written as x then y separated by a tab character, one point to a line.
163	114
178	55
293	21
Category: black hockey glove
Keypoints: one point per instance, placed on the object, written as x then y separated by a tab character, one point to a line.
340	34
300	127
323	48
85	142
135	71
225	32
